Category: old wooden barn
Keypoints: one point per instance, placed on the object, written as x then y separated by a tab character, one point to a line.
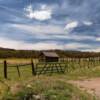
49	57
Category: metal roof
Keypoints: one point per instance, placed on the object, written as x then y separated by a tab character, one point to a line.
50	54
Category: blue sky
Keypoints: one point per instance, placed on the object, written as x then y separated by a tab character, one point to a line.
50	24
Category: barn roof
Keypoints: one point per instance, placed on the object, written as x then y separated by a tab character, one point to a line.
50	54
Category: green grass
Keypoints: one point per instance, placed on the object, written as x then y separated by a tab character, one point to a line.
49	86
74	70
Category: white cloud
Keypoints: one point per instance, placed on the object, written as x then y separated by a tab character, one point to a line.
8	43
75	46
43	7
71	25
41	29
51	32
14	44
70	36
41	14
92	50
88	23
79	37
98	39
96	50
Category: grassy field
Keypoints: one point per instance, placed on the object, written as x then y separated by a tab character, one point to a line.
47	87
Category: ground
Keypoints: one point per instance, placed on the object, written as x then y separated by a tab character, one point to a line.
44	88
53	86
90	85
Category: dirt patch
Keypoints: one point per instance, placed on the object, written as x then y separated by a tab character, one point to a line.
89	85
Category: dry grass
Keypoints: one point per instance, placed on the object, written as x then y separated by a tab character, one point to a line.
45	87
45	84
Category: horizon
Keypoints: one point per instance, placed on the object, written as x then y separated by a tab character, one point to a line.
50	25
50	50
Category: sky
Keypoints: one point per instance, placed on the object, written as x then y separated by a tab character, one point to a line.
50	24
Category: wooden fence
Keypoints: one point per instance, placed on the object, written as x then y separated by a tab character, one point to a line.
56	67
6	65
37	69
53	67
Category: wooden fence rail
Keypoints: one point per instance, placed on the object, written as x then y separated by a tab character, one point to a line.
52	67
37	69
6	65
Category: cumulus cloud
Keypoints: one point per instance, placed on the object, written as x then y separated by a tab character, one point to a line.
41	14
71	25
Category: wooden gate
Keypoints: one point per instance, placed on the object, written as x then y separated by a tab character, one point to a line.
44	68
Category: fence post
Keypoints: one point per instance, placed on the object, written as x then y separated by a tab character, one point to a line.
5	69
33	68
18	71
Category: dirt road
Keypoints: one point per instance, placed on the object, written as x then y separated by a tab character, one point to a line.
89	85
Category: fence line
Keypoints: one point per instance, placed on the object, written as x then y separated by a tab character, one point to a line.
53	67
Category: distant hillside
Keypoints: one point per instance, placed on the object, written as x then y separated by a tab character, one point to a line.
5	49
11	53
